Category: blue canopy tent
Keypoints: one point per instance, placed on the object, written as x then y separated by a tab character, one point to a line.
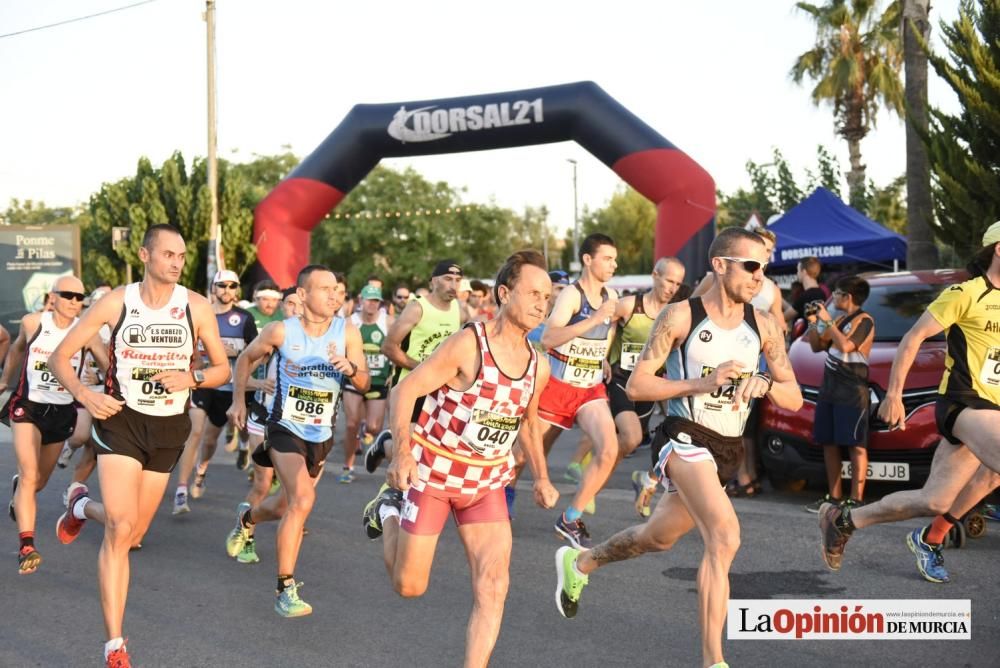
823	226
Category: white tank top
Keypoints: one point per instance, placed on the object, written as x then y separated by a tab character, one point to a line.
145	342
41	383
764	299
90	364
708	346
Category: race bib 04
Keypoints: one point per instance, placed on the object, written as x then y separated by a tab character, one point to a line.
488	431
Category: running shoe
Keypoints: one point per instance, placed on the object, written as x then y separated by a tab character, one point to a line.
643	494
851	503
376	451
832	539
574	472
275	485
815	505
198	488
243	459
68	525
372	521
510	495
569	581
240	534
68	492
575	532
118	658
248	555
930	561
180	503
64	456
288	603
346	477
991	511
13	491
28	560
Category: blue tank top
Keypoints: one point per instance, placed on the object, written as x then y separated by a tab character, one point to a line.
307	386
580	361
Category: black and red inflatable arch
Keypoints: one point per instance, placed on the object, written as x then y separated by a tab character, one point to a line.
683	192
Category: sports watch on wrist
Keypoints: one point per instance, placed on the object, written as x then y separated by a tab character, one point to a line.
199	377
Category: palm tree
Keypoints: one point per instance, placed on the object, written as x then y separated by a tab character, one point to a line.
855	65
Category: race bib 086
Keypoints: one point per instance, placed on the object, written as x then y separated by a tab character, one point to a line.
309	406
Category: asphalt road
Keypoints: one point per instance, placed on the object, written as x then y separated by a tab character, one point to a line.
191	606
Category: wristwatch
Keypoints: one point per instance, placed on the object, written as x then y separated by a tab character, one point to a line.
199	377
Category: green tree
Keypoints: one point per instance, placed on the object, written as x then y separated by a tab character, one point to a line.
855	65
630	219
29	212
965	162
397	224
887	205
175	196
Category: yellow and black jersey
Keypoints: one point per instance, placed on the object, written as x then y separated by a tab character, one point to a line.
970	314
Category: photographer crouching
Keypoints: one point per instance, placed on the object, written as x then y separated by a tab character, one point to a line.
843	404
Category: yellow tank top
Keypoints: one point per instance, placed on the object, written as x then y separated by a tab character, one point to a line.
970	313
433	327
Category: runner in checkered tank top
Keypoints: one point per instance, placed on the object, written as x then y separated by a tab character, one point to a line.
460	455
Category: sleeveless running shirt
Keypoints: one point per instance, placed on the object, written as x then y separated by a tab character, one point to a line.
145	342
237	329
463	439
706	347
371	342
36	379
307	386
970	313
630	337
580	361
432	329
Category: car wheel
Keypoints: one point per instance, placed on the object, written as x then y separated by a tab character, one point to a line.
975	525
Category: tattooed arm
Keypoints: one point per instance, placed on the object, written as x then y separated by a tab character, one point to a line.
785	392
645	383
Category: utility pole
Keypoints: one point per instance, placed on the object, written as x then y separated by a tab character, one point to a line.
213	166
575	261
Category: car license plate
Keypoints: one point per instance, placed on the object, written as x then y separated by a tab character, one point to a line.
879	470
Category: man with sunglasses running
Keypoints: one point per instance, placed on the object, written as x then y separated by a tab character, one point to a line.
720	337
209	406
40	411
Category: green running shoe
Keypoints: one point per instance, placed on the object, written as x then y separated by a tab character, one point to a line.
570	582
288	603
574	472
248	555
370	517
275	486
240	534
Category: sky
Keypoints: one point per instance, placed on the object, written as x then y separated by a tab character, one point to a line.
80	103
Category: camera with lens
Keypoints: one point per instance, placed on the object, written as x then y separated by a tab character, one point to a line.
812	308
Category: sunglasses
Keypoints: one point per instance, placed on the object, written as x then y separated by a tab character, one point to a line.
228	286
402	297
750	266
68	294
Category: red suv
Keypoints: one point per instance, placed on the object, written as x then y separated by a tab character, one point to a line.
897	300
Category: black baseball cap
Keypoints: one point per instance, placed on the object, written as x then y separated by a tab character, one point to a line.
559	276
446	267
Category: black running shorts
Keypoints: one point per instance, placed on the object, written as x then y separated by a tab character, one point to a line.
947	409
215	403
281	439
155	441
56	422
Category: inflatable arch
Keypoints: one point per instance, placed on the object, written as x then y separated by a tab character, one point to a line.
683	192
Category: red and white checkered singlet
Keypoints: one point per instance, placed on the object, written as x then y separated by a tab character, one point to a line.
463	439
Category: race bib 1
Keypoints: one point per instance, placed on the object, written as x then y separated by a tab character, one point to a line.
630	355
305	405
489	431
989	375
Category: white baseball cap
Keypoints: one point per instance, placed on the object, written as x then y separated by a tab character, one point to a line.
226	276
